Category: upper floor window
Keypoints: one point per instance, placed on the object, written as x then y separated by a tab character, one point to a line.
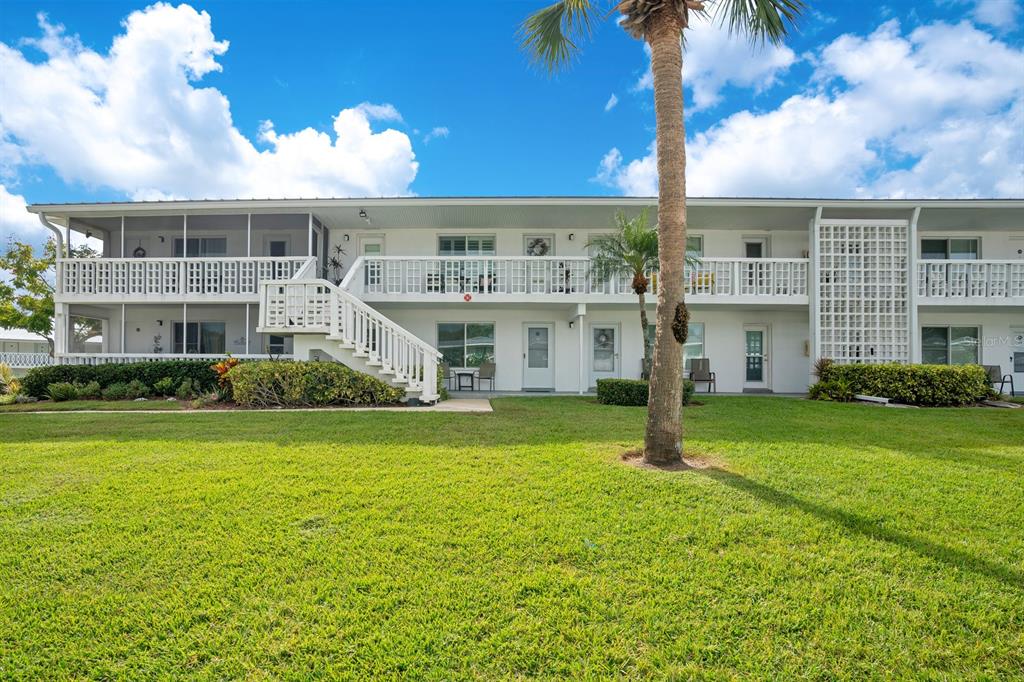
950	249
949	345
466	245
695	246
198	247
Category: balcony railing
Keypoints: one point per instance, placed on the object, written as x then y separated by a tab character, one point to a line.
526	276
129	358
25	360
175	277
975	280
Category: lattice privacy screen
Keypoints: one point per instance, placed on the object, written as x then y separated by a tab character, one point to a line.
863	293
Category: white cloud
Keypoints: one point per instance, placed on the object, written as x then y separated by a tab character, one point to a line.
713	59
135	120
436	132
15	221
1001	14
928	114
612	101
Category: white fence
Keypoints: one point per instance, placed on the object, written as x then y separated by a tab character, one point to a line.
992	279
25	360
317	306
128	358
524	276
175	276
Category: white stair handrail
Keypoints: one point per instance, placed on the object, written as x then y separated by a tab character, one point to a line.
317	305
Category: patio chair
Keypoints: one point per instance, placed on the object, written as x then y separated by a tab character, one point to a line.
447	375
996	376
486	373
700	372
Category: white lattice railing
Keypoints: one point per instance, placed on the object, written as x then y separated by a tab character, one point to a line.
128	358
317	306
176	276
25	360
976	279
524	276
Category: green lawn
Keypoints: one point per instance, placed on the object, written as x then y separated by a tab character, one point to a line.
80	405
832	541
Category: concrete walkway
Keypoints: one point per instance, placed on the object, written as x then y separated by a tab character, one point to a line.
467	405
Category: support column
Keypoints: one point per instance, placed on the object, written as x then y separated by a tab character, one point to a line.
122	237
248	235
581	311
124	323
60	328
813	277
184	329
914	337
247	334
309	237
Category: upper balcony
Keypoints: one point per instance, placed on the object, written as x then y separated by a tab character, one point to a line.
973	282
569	279
173	280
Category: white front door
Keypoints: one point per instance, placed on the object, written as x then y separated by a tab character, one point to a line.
373	271
604	352
756	372
1017	358
538	357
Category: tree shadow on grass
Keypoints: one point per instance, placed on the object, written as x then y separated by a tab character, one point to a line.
870	529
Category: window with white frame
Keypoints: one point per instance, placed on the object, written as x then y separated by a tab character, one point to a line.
950	345
466	344
199	247
694	246
466	245
199	337
950	249
692	349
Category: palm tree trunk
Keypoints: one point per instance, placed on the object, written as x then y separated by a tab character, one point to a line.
663	440
647	335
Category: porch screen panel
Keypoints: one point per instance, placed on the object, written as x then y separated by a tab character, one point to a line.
863	295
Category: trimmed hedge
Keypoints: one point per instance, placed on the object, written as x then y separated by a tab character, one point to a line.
307	384
924	385
203	378
633	392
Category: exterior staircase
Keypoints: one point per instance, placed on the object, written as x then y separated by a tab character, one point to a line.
325	317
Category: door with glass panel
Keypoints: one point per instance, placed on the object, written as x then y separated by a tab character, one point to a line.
373	270
538	357
755	358
604	352
1017	358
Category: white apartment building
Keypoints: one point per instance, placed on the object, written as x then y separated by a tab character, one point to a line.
396	286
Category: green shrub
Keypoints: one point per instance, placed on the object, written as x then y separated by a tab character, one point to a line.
61	391
924	385
9	385
185	390
118	391
307	384
165	386
633	392
90	391
833	389
203	378
204	400
137	389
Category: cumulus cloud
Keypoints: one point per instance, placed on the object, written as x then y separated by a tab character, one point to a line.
136	120
612	101
436	132
714	60
931	113
15	221
1001	14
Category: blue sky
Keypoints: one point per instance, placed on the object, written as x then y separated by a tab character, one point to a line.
856	104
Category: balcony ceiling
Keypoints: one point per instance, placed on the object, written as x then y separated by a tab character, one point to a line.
550	212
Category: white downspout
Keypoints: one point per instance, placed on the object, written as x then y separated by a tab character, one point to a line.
60	320
814	277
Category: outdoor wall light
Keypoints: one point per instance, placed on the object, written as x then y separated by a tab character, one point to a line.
161	239
572	323
572	235
160	323
345	237
362	214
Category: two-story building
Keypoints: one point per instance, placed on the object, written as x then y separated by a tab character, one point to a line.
396	287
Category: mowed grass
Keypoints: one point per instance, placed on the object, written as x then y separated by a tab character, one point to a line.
830	541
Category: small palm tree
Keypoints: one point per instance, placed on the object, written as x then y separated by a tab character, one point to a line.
632	251
552	36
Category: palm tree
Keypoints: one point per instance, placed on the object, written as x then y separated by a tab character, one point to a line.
632	251
552	36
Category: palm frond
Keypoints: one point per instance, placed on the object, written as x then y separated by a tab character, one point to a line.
551	36
759	20
631	250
